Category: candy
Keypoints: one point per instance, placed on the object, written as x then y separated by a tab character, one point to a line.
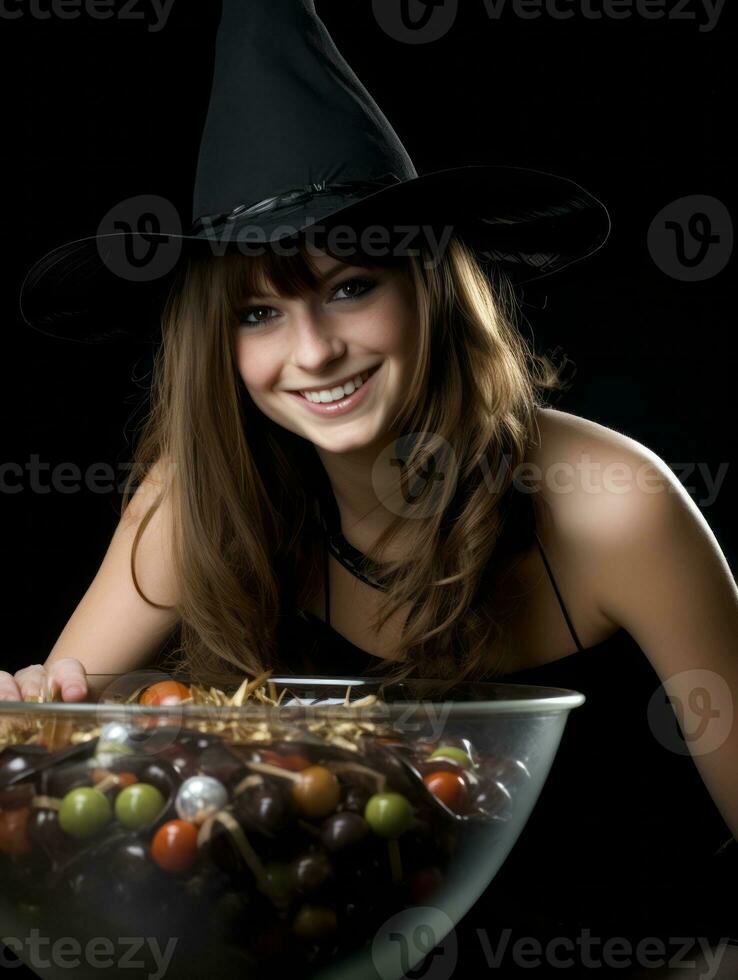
45	833
355	800
312	872
16	796
449	788
132	862
114	738
317	791
14	831
343	830
199	797
453	753
174	846
183	758
263	839
217	761
165	693
315	922
119	779
138	805
159	774
279	881
388	814
264	809
84	812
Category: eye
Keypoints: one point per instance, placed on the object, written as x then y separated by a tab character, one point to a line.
245	314
364	286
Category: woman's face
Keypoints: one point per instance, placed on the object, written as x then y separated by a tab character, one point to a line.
360	320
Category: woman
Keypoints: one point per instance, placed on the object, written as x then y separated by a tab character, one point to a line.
442	520
260	519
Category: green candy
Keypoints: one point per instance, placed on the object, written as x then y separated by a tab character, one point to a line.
84	812
279	882
452	752
388	814
138	805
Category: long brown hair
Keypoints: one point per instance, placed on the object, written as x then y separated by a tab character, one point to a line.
246	551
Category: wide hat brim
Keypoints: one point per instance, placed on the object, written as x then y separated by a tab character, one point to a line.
112	285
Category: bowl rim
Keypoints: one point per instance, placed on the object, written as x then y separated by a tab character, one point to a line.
542	700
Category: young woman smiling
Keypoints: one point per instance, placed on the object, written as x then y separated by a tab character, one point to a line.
441	519
262	533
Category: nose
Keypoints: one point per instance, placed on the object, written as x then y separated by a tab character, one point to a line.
315	341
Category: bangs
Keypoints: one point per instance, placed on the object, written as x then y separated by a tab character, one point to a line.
290	276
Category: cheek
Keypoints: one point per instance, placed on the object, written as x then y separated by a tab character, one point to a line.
394	328
402	314
254	366
406	332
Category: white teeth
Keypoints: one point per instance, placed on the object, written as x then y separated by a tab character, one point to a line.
335	394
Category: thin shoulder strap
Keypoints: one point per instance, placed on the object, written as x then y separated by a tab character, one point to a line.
558	596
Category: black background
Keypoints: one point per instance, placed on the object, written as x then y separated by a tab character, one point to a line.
640	113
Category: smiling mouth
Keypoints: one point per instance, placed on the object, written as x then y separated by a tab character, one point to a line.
315	395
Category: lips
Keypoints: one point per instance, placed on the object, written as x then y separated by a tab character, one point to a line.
340	406
336	384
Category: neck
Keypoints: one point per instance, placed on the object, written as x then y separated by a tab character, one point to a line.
363	493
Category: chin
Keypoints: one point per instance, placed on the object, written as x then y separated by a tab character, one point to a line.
334	442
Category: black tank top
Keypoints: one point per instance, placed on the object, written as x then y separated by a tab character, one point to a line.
624	838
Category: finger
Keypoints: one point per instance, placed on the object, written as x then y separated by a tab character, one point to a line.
69	676
9	690
31	681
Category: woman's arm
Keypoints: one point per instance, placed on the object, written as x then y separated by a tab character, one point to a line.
662	576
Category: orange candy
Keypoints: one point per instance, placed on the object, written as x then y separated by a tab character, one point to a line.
14	831
123	779
449	788
164	693
318	792
126	779
174	846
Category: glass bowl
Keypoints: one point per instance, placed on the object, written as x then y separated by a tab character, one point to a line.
334	827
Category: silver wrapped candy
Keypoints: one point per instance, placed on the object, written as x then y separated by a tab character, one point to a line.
114	740
199	797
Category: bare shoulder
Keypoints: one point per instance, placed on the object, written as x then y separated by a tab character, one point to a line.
597	493
620	522
587	473
563	431
151	489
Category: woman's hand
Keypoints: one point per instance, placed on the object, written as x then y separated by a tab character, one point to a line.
66	675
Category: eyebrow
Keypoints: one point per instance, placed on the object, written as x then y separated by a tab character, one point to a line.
321	279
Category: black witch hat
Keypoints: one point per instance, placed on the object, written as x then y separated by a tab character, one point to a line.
293	145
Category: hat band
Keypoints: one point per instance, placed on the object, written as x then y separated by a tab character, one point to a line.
298	195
